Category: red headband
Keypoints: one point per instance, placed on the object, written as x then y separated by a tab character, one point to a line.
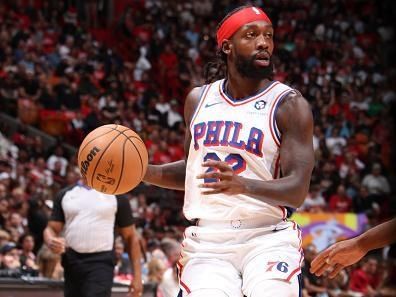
237	20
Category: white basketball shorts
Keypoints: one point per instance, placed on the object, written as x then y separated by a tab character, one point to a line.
235	258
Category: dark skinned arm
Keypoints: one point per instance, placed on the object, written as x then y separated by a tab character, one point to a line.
348	252
294	119
172	175
131	239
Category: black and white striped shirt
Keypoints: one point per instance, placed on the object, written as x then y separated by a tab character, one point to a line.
90	217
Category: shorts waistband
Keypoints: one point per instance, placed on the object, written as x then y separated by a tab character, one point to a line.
240	223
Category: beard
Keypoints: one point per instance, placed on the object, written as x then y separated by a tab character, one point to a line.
247	68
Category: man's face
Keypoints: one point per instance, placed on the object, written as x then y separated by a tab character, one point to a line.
252	47
371	266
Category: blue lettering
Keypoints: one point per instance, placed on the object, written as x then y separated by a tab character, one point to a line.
213	133
199	132
234	142
255	142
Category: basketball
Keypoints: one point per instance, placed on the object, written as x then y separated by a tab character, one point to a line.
112	159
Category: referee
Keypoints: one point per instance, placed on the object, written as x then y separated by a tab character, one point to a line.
88	219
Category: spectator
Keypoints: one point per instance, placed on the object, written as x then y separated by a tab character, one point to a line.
122	264
169	285
4	204
363	278
156	269
340	202
58	156
10	257
312	284
27	258
350	165
335	142
174	116
4	238
363	202
49	264
376	183
315	201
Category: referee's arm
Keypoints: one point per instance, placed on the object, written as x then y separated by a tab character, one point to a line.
55	226
127	230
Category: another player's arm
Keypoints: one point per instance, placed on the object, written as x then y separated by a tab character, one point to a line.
172	175
348	252
294	119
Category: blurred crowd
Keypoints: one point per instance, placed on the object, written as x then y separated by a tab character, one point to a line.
66	67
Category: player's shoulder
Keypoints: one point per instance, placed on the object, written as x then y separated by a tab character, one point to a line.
291	105
197	92
292	96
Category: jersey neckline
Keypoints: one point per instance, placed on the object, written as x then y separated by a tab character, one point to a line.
244	100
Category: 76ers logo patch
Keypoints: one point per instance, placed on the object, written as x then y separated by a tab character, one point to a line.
260	104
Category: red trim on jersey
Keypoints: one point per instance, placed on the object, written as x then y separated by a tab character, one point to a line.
265	91
294	271
180	266
271	115
283	211
185	287
298	269
201	101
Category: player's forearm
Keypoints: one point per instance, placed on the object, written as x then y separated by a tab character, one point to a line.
378	236
287	191
170	176
135	256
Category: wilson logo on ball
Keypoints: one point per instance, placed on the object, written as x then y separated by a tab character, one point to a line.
90	156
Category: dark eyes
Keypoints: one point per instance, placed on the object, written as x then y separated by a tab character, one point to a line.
253	34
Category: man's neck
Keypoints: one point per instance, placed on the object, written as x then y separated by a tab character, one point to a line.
239	87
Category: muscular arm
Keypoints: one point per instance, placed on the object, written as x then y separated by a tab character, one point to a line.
348	252
378	236
172	175
294	119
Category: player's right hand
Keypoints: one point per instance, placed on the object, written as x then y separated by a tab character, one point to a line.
337	257
57	245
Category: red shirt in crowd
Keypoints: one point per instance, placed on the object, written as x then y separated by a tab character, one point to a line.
340	203
360	281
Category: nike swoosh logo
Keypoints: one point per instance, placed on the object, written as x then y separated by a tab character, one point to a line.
276	229
211	104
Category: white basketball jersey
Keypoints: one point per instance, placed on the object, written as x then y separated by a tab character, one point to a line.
243	133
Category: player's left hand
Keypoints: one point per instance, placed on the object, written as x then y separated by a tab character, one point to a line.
136	288
337	257
227	181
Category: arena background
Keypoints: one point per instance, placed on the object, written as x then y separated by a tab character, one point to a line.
67	67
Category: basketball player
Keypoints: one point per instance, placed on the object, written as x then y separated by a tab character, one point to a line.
348	252
249	163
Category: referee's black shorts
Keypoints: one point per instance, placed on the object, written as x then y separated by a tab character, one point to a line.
88	275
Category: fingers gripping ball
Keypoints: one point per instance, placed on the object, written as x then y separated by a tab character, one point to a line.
112	159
